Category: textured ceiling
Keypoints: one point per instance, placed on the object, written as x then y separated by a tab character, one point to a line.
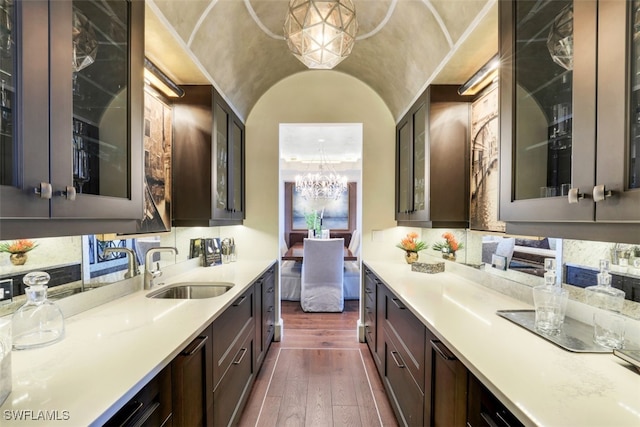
402	45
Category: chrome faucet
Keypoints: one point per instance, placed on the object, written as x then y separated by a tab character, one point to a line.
133	267
149	273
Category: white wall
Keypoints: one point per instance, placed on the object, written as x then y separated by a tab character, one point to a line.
316	97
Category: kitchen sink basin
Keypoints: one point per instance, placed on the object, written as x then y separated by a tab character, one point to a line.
192	290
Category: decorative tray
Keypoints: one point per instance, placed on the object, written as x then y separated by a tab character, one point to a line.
631	356
575	336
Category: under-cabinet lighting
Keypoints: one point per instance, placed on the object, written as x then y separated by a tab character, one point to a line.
482	78
159	80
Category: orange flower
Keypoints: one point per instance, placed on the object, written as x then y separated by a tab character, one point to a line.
411	243
18	246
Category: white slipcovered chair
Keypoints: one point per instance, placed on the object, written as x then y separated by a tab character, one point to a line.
322	275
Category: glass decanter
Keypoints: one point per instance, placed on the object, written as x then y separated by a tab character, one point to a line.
39	322
550	301
608	325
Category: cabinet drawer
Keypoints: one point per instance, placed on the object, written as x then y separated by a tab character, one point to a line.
229	398
410	335
228	331
151	406
405	395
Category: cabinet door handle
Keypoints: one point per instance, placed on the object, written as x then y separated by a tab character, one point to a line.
574	195
398	304
442	351
44	190
270	309
240	300
243	350
197	346
600	193
270	290
68	193
394	356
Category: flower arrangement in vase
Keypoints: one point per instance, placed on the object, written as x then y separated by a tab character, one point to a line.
448	247
18	250
411	245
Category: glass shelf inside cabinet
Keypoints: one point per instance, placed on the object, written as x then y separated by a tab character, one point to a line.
7	93
634	110
543	73
100	69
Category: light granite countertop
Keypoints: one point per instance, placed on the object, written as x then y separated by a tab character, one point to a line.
542	384
111	351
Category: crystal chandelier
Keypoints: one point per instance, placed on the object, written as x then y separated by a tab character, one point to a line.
321	186
321	33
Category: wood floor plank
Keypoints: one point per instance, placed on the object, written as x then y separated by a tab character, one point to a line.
268	416
347	416
319	398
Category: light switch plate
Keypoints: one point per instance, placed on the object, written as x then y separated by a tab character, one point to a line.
6	291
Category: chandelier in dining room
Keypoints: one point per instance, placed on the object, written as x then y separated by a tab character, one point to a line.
322	185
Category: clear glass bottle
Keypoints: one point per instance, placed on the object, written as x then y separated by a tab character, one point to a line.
550	301
608	325
39	322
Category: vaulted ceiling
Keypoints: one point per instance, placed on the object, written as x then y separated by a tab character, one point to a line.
402	45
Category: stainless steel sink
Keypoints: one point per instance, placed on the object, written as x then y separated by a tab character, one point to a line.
192	290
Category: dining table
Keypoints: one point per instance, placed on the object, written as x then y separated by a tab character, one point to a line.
295	253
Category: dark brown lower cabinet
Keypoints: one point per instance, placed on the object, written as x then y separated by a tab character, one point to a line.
485	410
264	291
191	381
404	393
234	387
150	407
446	401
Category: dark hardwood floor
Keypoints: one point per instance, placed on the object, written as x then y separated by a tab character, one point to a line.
318	375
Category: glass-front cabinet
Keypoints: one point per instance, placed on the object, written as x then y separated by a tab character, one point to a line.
71	110
432	147
208	160
567	137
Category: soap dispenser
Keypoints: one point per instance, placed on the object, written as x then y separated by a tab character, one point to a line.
550	301
608	325
39	322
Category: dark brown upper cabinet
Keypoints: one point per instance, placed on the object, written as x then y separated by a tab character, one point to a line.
569	115
208	160
432	161
71	117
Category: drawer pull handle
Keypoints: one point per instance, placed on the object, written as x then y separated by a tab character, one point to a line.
489	419
196	347
243	350
240	300
442	351
147	414
398	304
394	356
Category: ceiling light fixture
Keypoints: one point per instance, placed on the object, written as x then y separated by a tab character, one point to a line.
321	186
482	78
160	81
321	33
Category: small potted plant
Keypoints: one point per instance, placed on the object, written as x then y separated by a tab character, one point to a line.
448	247
18	250
411	245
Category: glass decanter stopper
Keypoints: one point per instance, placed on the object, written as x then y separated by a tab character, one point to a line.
608	325
39	322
